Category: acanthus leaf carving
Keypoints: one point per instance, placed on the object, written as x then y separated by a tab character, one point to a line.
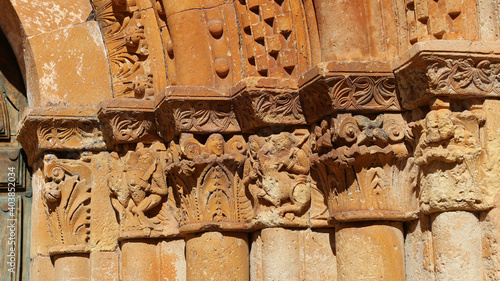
206	179
364	168
66	198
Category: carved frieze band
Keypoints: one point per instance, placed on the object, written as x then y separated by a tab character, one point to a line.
362	87
59	130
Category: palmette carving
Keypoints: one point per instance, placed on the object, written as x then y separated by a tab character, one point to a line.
66	198
450	157
139	193
363	165
206	183
276	173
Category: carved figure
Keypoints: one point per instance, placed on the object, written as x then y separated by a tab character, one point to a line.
139	188
277	174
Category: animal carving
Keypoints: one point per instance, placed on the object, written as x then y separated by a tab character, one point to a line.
276	174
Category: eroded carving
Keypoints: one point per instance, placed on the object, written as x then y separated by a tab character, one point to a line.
128	48
139	193
450	154
277	175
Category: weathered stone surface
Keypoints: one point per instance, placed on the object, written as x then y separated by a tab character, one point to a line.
285	254
457	246
373	251
104	266
72	267
217	256
70	69
139	261
173	260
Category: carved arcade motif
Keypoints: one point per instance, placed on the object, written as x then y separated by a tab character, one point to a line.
66	197
140	195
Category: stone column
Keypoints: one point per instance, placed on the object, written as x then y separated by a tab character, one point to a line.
217	256
71	267
370	192
370	250
450	154
457	246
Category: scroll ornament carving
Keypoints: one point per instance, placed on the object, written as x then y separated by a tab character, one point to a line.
128	50
463	76
66	198
364	168
206	182
333	93
62	133
276	173
140	195
205	116
449	154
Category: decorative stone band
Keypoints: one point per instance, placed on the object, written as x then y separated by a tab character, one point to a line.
348	87
128	120
458	69
194	109
261	102
59	129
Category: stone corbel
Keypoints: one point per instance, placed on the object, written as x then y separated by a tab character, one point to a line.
62	130
354	87
364	168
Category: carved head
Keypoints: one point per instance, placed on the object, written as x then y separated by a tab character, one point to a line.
215	144
51	192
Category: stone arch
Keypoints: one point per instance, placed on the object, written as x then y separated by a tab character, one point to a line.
58	50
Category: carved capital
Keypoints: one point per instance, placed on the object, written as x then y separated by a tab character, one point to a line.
52	129
450	154
66	197
261	102
363	165
348	87
140	195
277	176
206	182
128	120
194	110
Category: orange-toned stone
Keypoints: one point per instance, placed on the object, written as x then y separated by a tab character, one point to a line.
370	250
217	256
42	268
71	267
139	261
173	260
69	62
104	266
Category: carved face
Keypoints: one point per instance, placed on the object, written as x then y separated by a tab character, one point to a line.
215	144
51	192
